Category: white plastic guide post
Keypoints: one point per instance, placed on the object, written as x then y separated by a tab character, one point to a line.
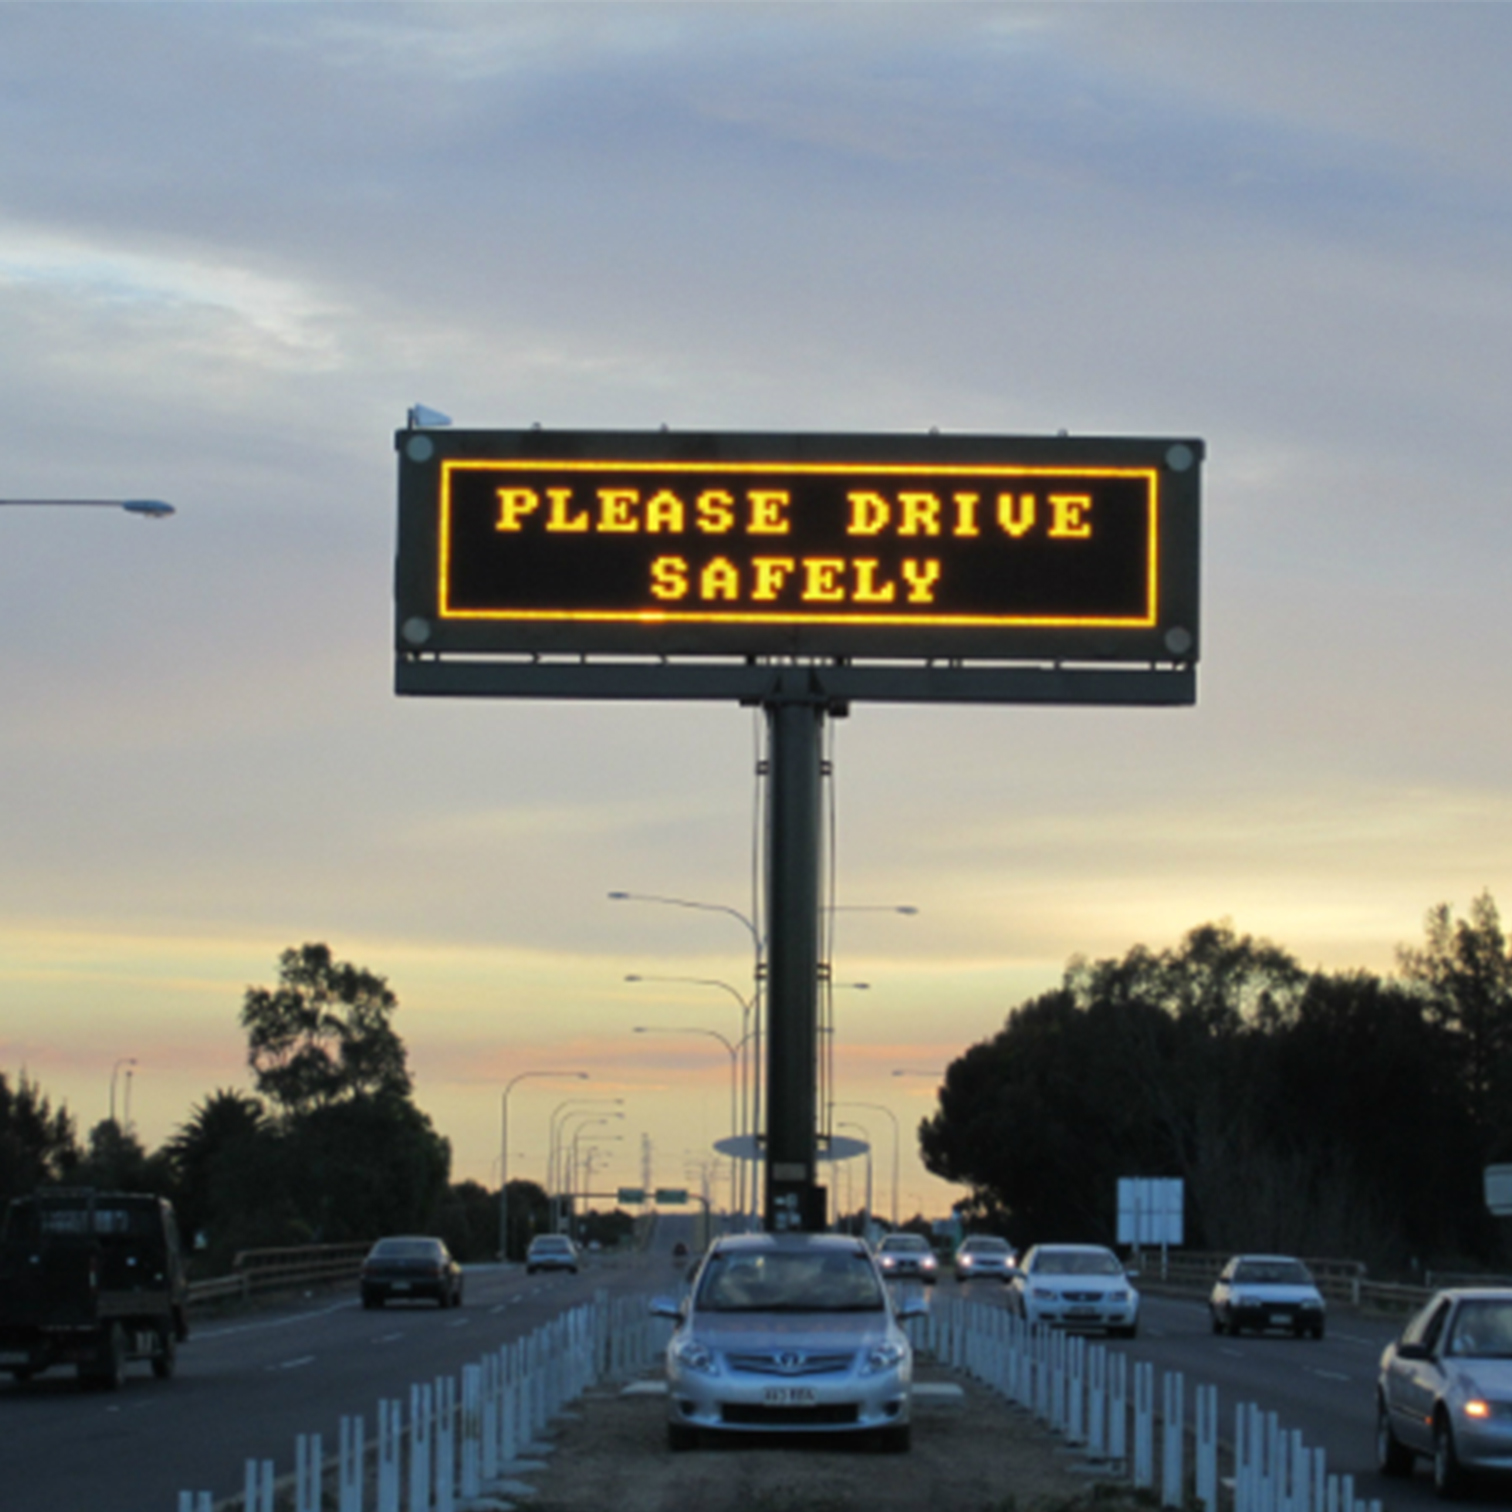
390	1450
1205	1407
1144	1425
350	1472
1173	1439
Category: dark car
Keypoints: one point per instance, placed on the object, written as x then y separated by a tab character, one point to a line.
408	1266
1444	1390
551	1252
1267	1291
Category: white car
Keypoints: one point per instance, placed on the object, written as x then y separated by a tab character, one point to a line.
982	1255
907	1257
1266	1291
1075	1286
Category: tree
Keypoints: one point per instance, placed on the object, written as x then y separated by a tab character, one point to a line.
323	1035
210	1156
1464	976
36	1145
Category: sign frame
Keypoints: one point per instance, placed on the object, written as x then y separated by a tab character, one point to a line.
487	645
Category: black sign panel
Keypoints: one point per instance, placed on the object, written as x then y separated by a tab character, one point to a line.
824	546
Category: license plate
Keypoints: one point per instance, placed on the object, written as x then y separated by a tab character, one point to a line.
789	1396
401	1286
1081	1312
14	1357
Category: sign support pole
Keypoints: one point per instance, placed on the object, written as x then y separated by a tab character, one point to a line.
795	729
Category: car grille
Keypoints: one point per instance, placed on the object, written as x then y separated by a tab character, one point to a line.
770	1362
836	1415
1083	1296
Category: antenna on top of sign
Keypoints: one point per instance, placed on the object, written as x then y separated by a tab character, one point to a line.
421	416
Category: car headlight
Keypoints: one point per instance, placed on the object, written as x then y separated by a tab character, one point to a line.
929	1262
692	1355
966	1262
1043	1294
882	1357
1118	1296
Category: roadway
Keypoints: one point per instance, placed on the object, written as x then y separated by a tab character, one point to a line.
247	1385
1325	1388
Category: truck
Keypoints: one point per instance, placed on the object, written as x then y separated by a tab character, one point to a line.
91	1279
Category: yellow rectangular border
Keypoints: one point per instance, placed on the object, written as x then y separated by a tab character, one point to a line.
1149	475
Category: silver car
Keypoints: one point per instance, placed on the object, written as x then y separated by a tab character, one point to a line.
789	1332
1444	1390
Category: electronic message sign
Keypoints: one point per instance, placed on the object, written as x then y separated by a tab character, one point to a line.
824	546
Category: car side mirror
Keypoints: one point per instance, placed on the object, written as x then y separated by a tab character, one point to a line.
1412	1352
665	1307
1133	1275
1014	1273
910	1306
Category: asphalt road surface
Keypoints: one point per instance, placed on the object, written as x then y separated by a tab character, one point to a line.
247	1385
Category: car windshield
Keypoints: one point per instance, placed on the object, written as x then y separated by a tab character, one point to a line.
776	1281
406	1249
1078	1263
1482	1330
541	1246
1273	1272
905	1242
984	1246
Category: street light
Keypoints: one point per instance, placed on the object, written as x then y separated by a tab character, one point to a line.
883	1108
747	1103
559	1116
866	1226
125	1060
572	1169
504	1150
733	1053
758	967
151	509
554	1138
567	1161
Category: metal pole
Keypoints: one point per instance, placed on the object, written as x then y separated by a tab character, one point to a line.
795	725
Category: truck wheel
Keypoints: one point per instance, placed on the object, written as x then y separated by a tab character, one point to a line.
165	1356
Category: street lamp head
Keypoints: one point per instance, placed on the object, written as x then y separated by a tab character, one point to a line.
619	897
153	509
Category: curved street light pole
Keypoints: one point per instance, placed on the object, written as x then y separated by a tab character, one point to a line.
504	1149
747	1102
734	1055
150	509
893	1117
867	1211
567	1159
757	1075
125	1060
554	1137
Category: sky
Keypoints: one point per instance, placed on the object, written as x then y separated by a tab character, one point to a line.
238	241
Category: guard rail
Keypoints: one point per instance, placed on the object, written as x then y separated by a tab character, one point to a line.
267	1270
1339	1280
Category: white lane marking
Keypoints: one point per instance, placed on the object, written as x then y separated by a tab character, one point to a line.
388	1338
1233	1354
460	1323
1329	1375
241	1328
498	1307
298	1364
